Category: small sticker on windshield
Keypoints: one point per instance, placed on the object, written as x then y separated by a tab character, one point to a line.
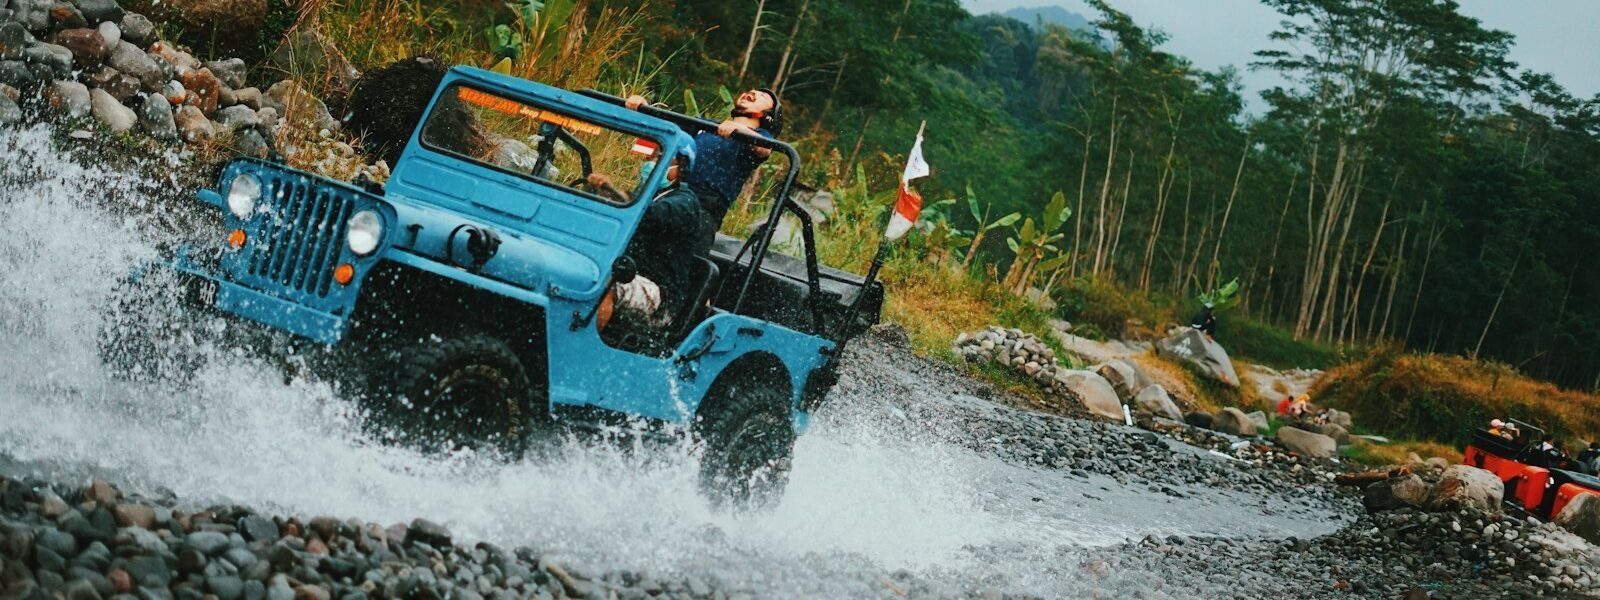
645	148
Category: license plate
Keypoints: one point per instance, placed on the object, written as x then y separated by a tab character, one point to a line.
203	291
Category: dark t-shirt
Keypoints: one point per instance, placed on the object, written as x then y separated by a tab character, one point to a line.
721	168
673	230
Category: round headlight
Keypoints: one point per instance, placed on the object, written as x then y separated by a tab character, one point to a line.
243	194
365	231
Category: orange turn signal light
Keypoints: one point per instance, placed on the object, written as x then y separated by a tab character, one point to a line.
344	273
236	239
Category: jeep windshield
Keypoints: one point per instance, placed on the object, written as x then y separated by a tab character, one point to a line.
553	148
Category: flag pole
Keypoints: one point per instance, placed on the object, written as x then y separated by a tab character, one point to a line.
877	261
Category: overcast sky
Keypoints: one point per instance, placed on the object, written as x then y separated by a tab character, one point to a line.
1554	36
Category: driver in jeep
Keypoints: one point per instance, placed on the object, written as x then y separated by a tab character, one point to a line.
674	229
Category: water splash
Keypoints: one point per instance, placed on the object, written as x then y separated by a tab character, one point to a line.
871	492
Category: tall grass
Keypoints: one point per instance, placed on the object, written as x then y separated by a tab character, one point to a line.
1446	398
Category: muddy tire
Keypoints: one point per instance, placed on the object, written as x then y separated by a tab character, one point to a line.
748	437
440	394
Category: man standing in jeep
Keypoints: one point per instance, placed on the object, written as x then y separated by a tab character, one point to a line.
724	165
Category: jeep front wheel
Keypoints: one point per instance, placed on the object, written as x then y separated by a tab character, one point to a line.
749	441
442	394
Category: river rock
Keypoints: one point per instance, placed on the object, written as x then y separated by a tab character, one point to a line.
10	113
234	118
293	103
56	58
155	114
1155	400
1462	486
129	59
16	74
231	71
1340	418
100	10
193	124
138	29
1122	379
86	46
1232	420
1191	346
1333	430
110	111
63	15
206	86
248	97
428	532
13	40
249	142
120	85
32	14
1093	391
1411	490
1581	516
110	33
1200	418
134	515
1306	443
1257	418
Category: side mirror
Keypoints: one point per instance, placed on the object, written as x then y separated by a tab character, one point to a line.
623	270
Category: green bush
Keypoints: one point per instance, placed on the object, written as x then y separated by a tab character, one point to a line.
1253	341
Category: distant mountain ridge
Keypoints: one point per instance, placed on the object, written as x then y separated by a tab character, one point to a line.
1054	15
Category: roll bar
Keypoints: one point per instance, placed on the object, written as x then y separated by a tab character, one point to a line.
763	238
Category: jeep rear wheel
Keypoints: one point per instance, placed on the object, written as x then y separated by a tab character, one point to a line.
441	394
749	441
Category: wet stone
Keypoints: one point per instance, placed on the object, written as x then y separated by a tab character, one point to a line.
33	14
193	125
57	58
428	532
234	118
63	15
110	33
148	570
100	10
129	59
138	29
98	582
13	40
10	113
226	587
16	74
87	46
210	543
231	71
134	515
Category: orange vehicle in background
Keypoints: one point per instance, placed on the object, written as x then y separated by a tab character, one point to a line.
1540	490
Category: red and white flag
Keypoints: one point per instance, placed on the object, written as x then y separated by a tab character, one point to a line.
909	203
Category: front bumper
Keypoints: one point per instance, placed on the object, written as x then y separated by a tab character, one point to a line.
207	290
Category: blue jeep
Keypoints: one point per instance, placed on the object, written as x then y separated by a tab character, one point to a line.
467	298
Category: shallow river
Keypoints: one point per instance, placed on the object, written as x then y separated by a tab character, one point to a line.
877	499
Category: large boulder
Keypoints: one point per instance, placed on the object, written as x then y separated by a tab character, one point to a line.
1155	400
1582	517
1462	486
1200	418
1234	421
1122	378
1408	491
1339	434
244	28
1258	418
1093	391
1306	443
1191	346
1340	418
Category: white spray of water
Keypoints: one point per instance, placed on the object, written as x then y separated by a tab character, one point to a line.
868	494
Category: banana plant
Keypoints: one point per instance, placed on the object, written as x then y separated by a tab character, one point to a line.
1222	297
983	225
940	238
1034	243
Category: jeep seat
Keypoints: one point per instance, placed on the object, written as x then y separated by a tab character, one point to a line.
781	292
656	342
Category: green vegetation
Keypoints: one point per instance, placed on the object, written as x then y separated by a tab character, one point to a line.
1446	398
1409	185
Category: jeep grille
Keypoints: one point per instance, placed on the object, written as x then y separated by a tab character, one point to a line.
299	243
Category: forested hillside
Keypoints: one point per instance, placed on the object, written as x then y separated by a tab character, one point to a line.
1413	184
